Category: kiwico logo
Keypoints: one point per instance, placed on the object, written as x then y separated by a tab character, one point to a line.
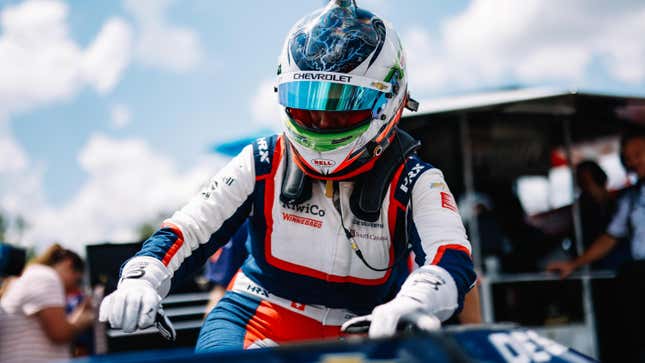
308	208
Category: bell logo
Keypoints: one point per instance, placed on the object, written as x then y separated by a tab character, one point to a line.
323	162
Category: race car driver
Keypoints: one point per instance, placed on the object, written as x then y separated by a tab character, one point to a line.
336	204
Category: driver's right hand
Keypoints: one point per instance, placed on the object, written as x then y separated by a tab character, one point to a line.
133	305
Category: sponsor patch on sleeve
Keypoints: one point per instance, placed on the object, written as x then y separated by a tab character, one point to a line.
438	185
448	202
209	188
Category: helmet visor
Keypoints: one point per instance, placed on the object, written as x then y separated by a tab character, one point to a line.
327	96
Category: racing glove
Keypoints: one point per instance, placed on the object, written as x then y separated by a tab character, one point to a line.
136	303
428	296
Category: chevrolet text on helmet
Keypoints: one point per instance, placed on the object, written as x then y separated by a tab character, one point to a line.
342	85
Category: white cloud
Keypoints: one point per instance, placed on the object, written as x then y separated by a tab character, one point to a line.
120	115
12	157
128	184
529	41
265	109
105	60
161	44
40	63
426	67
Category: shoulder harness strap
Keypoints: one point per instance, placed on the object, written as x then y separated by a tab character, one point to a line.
370	188
296	186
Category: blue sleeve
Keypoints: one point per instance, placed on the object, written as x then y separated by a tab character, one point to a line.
460	267
456	261
164	243
220	269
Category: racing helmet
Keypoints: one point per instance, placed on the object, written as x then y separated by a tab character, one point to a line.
342	86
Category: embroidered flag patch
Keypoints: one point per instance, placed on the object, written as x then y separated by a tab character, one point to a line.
448	202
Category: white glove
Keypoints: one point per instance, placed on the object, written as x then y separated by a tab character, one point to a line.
134	304
428	296
386	317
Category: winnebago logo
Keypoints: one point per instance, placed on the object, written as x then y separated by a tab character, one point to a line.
308	208
323	77
323	162
302	220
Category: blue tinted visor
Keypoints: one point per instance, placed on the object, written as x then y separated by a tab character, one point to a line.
327	96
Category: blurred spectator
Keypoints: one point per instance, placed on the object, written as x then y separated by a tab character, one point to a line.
628	222
479	206
33	324
597	206
12	260
83	344
506	233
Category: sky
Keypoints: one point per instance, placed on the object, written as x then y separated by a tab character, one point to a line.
109	109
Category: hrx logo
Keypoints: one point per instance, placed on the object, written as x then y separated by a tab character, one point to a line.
413	173
263	150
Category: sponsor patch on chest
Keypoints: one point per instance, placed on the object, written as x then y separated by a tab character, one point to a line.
311	222
307	214
370	236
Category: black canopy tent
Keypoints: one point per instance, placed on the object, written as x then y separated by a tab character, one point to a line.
484	142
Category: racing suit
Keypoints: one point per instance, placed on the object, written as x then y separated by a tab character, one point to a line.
302	279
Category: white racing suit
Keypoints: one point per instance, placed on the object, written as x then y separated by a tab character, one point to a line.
302	279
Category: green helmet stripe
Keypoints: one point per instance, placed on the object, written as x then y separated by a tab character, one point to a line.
326	141
391	72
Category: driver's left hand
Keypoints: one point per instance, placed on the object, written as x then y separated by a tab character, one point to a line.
402	309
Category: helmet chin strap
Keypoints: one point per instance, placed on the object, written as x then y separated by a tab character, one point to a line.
364	166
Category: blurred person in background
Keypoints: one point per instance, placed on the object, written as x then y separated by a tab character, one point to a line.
596	203
628	221
33	324
83	343
597	206
12	262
